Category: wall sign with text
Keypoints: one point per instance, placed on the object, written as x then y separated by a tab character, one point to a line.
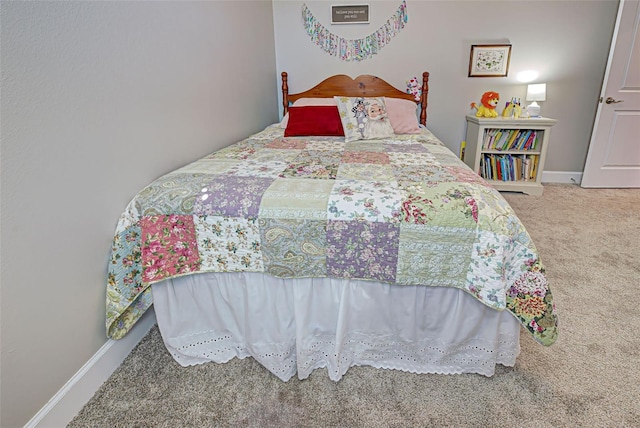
350	14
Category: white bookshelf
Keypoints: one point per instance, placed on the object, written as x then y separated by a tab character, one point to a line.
509	153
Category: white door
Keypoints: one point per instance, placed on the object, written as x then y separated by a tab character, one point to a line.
614	153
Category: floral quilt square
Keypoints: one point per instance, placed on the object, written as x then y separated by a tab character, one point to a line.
274	155
229	244
294	248
287	143
434	255
406	148
172	194
448	204
269	133
377	158
486	274
262	169
264	163
530	299
443	156
314	164
232	196
242	150
466	175
365	146
365	200
296	198
213	166
335	144
126	256
361	249
169	247
365	172
401	159
428	175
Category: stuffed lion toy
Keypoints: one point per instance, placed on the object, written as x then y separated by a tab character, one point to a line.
489	103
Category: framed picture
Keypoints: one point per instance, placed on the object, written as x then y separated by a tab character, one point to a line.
489	60
350	14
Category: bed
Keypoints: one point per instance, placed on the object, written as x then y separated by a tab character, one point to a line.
328	241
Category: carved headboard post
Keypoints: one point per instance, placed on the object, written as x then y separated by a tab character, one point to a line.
423	98
285	93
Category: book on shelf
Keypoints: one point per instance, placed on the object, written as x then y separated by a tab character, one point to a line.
522	141
509	139
526	168
534	167
509	167
530	144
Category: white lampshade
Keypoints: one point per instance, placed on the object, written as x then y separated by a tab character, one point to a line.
536	92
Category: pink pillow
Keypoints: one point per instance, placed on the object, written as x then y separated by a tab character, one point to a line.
402	115
304	102
314	120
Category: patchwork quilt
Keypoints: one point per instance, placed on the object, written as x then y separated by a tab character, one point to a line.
403	210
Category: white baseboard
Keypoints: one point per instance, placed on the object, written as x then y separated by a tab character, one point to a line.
70	399
562	177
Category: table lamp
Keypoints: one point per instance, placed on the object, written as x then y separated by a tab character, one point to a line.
536	92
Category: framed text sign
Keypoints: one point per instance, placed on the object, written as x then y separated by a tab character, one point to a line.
350	14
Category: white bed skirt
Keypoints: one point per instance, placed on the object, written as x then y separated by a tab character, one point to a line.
298	325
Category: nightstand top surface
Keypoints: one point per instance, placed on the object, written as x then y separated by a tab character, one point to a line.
507	121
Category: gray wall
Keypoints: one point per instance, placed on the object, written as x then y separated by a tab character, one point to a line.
98	100
567	42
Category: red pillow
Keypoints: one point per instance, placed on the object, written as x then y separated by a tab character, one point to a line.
314	120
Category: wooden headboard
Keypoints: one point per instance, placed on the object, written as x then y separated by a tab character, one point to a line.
362	86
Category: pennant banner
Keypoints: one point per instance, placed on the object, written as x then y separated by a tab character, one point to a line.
354	49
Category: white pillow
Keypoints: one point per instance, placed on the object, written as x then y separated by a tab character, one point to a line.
364	118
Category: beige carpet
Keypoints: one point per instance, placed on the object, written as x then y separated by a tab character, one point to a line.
589	241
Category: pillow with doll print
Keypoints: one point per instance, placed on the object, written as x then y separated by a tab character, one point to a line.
364	118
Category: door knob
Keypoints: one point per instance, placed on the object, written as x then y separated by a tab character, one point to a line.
610	100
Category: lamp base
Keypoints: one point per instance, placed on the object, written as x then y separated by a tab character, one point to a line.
533	109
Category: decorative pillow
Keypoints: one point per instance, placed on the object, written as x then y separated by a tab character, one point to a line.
403	115
314	120
304	102
364	118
